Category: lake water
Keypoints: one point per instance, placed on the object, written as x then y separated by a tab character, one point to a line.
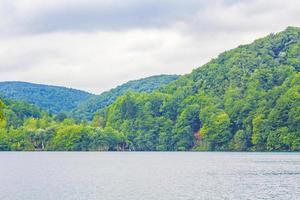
148	176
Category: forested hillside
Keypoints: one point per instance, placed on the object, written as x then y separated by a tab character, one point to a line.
79	104
51	98
246	99
87	109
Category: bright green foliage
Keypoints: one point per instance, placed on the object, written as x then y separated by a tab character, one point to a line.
217	131
71	138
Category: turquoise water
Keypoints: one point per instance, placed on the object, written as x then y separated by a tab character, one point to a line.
147	175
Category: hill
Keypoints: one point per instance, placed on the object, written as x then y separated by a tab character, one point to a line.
87	109
247	98
50	98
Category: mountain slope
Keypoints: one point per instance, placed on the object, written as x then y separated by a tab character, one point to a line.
87	109
51	98
247	98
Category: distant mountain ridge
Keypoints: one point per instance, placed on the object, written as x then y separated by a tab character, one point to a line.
78	103
53	99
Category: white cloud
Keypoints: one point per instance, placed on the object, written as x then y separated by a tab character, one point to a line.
95	57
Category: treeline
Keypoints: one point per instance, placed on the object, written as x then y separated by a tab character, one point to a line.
76	103
87	109
247	99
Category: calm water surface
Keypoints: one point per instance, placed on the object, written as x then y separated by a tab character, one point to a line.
149	176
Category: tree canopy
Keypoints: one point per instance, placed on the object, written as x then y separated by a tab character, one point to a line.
53	99
87	109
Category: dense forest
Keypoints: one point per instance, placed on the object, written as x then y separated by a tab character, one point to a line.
53	99
76	103
246	99
87	109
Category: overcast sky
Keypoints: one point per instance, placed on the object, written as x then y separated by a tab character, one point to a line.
95	45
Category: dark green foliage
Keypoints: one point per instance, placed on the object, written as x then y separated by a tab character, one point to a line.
51	98
61	117
1	110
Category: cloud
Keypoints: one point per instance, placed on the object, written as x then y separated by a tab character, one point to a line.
33	16
96	45
95	61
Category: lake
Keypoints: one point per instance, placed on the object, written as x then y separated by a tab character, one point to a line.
148	175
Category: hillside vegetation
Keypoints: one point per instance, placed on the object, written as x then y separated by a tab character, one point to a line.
87	109
246	99
51	98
